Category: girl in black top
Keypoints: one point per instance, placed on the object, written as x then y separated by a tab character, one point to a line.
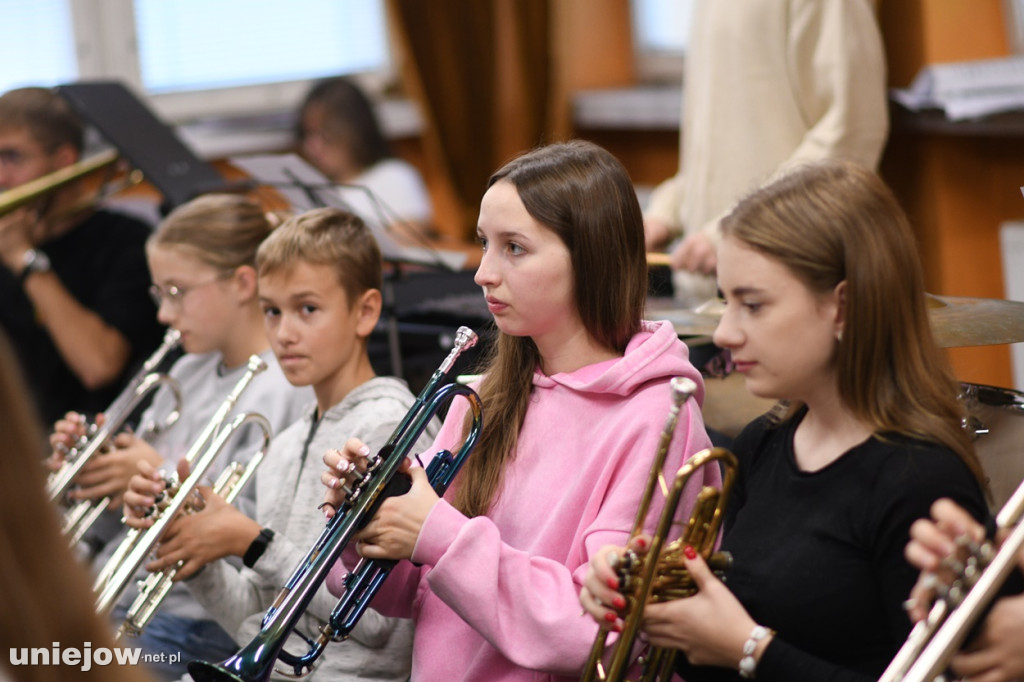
825	311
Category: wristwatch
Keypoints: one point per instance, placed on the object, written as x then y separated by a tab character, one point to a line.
34	260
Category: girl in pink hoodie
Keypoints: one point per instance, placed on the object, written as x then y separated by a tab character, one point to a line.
575	396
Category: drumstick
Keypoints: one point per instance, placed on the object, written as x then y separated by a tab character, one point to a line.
654	259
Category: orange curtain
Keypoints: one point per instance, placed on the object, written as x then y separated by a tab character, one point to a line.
479	70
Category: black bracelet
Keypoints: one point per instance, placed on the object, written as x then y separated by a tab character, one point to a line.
258	547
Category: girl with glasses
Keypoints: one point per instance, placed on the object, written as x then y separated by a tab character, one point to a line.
202	260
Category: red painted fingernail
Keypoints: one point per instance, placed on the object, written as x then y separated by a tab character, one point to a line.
613	583
610	617
690	552
619	603
641	543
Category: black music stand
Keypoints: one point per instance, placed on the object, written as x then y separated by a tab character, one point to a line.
148	143
305	188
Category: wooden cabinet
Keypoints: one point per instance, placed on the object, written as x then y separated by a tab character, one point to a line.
958	181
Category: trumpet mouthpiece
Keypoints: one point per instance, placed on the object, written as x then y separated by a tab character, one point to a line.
465	338
682	389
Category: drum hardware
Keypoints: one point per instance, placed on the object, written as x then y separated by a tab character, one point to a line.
993	419
696	322
956	321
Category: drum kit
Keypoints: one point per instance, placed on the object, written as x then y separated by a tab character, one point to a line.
993	412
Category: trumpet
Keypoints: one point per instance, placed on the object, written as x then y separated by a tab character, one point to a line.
659	575
22	195
256	660
934	640
180	496
80	516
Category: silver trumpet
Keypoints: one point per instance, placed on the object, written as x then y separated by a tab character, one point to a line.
256	660
180	497
934	640
80	516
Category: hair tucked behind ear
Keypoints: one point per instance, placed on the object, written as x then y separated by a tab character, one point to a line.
835	221
584	195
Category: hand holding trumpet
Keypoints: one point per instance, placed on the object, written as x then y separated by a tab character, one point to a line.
394	529
68	433
213	528
710	627
109	472
995	654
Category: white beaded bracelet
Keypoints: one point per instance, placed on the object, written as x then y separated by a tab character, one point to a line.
748	664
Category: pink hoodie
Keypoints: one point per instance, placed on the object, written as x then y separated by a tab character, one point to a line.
497	596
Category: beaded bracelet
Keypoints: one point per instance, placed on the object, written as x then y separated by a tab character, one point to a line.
748	664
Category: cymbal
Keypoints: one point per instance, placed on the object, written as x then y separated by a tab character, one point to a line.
960	321
956	321
700	321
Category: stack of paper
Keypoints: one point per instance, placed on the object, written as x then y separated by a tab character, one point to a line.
967	89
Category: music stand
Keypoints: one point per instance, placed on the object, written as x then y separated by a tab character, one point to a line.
305	188
148	143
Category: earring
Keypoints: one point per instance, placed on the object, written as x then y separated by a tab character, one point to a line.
839	336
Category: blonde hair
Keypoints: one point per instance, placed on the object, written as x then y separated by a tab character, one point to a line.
833	222
325	236
47	593
222	230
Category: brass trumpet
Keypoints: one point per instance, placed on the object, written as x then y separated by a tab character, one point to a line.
659	574
25	194
180	496
934	641
80	516
256	660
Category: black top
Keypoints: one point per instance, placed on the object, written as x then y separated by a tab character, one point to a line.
102	263
818	557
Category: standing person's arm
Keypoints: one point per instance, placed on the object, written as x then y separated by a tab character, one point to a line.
837	63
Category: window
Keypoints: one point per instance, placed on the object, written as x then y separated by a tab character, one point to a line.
195	58
36	43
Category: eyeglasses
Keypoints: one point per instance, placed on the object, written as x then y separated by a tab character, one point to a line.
175	295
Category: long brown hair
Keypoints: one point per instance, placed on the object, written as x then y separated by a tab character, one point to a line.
46	591
349	119
835	221
583	194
